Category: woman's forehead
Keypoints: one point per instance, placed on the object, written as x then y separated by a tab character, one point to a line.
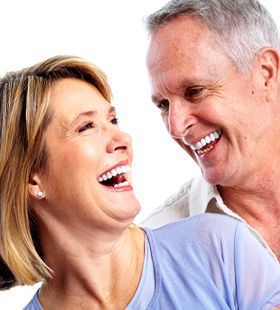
71	99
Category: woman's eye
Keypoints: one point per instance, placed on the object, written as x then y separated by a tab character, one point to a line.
115	121
86	126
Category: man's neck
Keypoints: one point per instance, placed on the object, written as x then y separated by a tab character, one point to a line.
259	206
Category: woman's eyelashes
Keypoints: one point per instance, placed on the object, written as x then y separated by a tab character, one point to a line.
90	125
115	121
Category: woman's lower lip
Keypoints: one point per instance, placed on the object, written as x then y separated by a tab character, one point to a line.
119	189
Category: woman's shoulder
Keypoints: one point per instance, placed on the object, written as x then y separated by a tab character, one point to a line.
200	226
197	236
33	304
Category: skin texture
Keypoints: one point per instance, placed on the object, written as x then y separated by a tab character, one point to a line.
84	225
84	141
199	91
205	95
84	228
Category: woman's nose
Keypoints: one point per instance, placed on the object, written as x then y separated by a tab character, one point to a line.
120	141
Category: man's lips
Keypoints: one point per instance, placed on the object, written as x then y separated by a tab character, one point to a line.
207	143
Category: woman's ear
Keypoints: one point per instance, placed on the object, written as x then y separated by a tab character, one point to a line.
34	186
269	64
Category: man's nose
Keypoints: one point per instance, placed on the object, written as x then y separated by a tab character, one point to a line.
180	119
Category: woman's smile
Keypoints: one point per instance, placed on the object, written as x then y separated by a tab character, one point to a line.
89	156
116	176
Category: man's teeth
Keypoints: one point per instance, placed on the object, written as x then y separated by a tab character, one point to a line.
206	140
201	152
113	173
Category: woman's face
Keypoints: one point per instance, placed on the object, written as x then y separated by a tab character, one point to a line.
86	146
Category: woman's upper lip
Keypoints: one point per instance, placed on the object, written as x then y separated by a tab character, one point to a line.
119	164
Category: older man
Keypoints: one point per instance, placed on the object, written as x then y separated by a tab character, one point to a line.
214	67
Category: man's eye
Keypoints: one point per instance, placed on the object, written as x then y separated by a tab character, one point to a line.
86	126
193	92
163	105
115	121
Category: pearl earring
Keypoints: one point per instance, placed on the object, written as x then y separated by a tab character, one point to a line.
39	194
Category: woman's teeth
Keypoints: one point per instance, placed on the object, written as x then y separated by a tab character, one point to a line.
121	184
206	140
113	173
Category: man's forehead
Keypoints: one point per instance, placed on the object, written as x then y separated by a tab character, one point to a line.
177	37
181	27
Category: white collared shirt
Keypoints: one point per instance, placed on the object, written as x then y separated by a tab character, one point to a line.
195	197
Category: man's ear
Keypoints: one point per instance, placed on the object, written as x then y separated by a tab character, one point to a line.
269	65
34	186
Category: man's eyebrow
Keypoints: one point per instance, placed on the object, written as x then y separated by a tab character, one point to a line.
156	99
186	83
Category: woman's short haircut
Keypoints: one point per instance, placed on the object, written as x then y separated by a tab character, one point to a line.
24	117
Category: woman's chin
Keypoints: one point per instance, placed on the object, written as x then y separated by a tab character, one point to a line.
128	211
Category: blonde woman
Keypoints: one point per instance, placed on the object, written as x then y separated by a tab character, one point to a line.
67	205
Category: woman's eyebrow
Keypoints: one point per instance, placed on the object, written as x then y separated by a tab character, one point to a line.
86	113
112	110
90	114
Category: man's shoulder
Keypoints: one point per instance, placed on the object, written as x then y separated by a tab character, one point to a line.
174	208
191	199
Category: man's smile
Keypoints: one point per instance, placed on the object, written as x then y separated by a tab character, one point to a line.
206	144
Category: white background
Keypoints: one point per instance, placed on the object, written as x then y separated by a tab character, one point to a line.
110	34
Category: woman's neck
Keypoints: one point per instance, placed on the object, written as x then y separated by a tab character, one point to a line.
106	276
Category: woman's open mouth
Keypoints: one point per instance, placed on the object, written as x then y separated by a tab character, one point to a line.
115	177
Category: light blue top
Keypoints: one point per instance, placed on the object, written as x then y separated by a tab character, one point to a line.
204	262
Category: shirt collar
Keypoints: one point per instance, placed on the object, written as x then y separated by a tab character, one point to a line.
200	195
204	195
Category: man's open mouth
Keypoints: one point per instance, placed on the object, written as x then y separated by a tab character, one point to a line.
207	143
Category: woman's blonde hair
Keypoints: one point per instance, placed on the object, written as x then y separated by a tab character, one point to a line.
24	117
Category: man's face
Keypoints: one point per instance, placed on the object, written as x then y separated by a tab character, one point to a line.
217	114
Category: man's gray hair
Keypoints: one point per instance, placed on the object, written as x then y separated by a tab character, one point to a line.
241	27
